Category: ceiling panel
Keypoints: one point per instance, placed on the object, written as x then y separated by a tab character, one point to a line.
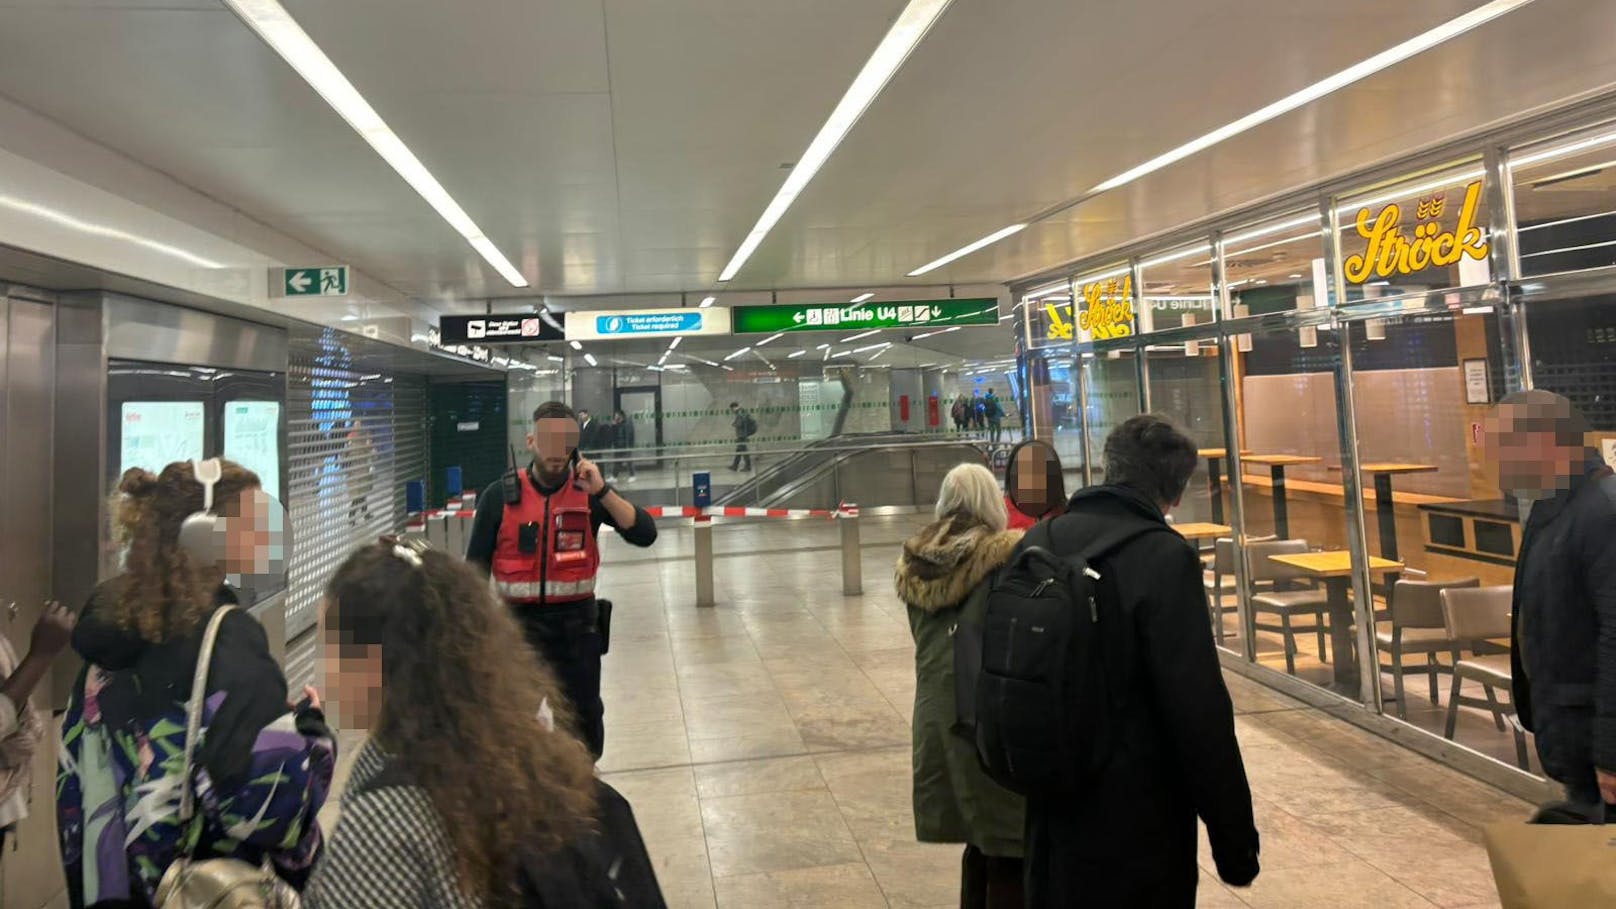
617	146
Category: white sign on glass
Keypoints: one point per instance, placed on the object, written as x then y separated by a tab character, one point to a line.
155	434
252	438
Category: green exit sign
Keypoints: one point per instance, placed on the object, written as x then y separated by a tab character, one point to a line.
315	281
919	314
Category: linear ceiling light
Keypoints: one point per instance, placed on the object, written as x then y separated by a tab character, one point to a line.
103	230
906	33
940	331
282	33
590	359
862	297
772	337
707	302
862	334
576	345
795	355
1357	72
969	248
736	354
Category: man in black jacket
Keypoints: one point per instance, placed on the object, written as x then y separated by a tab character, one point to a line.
1564	641
1131	839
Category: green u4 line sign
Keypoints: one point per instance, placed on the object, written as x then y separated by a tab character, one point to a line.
757	320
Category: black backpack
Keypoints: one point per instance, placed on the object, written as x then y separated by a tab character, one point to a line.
608	870
1034	680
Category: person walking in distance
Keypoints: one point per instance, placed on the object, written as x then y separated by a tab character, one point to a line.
958	412
994	411
537	533
623	441
745	427
1563	647
1128	837
359	467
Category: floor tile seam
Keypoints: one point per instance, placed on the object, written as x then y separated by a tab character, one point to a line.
864	856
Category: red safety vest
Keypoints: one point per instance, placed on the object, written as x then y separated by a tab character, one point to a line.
563	567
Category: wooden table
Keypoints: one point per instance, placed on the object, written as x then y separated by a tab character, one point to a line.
1276	469
1214	478
1334	568
1200	531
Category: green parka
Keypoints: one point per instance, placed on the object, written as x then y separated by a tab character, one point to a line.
954	801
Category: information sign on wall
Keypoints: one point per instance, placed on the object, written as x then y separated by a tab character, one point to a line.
252	438
626	324
520	328
835	317
155	434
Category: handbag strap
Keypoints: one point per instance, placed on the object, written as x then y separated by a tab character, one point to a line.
193	713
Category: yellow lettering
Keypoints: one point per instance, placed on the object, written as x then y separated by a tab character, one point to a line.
1474	244
1389	251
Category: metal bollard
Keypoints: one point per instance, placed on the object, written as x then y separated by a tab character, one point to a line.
704	562
852	561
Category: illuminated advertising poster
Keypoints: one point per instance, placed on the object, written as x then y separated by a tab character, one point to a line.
155	434
252	438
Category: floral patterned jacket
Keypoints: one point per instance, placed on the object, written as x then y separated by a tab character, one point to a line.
261	774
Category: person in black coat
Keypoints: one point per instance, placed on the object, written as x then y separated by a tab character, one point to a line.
623	440
1563	646
1131	839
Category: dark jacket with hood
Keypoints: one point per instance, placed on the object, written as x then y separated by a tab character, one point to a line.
1565	628
261	774
1131	840
941	573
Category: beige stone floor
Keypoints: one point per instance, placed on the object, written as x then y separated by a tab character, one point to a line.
764	746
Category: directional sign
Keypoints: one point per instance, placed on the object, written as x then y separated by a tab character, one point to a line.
520	328
623	324
753	320
316	281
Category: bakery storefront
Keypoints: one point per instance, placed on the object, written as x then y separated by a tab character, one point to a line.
1336	356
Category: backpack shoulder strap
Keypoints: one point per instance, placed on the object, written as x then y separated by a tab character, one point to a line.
1111	540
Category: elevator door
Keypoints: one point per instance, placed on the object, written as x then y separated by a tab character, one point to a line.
30	871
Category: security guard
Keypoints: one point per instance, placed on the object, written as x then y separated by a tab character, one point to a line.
536	533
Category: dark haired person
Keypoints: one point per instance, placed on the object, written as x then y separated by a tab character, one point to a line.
1131	839
537	532
1034	484
461	772
623	441
1564	642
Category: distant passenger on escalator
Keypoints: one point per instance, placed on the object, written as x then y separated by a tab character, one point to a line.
537	533
942	577
1034	485
1564	642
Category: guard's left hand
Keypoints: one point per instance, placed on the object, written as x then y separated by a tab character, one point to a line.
1607	786
589	477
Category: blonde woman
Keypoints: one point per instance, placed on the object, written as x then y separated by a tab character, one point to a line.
940	577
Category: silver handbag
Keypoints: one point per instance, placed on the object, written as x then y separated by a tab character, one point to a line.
219	883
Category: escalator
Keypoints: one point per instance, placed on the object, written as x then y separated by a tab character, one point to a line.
869	469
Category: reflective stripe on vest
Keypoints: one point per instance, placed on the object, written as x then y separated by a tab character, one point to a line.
550	590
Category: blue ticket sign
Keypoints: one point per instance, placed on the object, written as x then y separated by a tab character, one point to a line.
600	325
701	489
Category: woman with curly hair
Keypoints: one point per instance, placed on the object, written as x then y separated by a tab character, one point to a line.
262	770
472	773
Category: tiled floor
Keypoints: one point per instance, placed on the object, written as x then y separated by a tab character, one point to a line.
764	746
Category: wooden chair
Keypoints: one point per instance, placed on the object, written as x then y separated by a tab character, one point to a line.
1473	617
1287	604
1418	626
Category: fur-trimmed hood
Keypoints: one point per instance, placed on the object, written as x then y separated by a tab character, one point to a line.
942	563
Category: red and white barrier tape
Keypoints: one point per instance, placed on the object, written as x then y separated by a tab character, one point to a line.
686	511
717	511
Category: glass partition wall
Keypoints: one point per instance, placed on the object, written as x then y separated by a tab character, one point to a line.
1336	360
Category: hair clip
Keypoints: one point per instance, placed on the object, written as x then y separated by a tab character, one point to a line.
409	550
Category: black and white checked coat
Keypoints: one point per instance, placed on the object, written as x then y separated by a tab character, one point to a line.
389	851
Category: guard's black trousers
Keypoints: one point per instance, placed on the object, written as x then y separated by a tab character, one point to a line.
567	636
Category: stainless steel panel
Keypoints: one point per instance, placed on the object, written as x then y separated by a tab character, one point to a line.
30	871
158	332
